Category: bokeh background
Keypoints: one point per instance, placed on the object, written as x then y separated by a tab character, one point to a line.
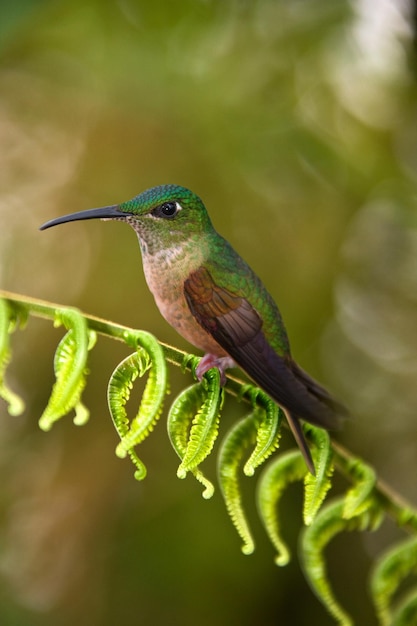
295	121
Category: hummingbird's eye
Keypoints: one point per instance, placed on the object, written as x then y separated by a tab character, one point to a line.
167	210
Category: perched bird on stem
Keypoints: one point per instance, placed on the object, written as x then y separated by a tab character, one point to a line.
207	292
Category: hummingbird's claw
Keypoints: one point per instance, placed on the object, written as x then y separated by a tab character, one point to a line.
211	360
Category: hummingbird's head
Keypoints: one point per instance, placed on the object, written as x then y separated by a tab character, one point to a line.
161	216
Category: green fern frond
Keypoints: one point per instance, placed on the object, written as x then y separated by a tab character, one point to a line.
70	370
205	425
276	477
118	393
193	424
132	432
232	450
357	498
120	386
316	487
268	431
16	406
391	569
180	417
153	395
328	523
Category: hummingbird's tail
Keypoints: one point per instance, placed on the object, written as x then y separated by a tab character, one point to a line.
319	407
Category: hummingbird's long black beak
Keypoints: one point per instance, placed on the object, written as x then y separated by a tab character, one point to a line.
109	212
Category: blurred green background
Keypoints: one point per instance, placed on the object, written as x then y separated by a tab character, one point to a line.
295	121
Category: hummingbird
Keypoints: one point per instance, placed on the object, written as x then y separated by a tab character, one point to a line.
210	295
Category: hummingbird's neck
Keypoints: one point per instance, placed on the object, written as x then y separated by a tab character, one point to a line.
153	243
172	260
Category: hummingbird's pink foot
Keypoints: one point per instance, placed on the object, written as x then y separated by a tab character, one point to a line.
211	360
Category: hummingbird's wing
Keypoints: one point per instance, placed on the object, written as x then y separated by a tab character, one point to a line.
237	327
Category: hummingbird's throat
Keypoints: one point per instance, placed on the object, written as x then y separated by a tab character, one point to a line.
153	242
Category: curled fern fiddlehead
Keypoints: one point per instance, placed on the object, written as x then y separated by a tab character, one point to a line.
205	425
316	487
15	404
234	445
392	567
286	469
148	357
289	468
70	370
358	497
180	416
268	430
193	424
327	524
